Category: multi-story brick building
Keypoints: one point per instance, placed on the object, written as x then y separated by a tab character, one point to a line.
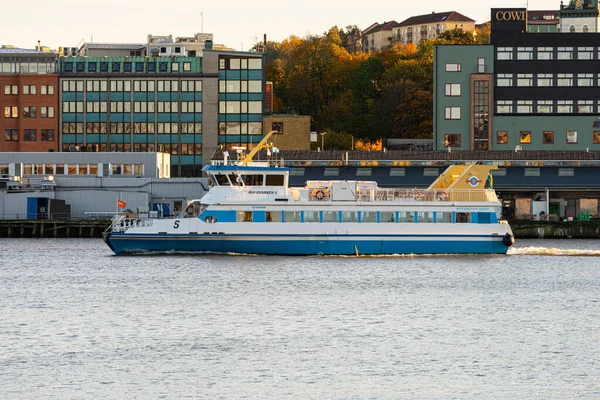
28	101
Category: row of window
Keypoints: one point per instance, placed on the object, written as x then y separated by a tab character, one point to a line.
525	137
547	106
357	217
138	107
29	112
240	128
126	66
548	80
547	53
366	172
29	135
138	85
135	127
240	107
29	89
240	63
175	149
75	169
15	67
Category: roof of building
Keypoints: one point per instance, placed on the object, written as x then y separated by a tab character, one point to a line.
16	50
113	45
434	18
542	17
386	26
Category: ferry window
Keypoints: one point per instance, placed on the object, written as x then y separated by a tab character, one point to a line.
273	216
349	216
463	217
443	217
368	216
330	216
222	180
406	216
292	216
274	180
244	216
425	216
387	216
235	180
253	180
311	216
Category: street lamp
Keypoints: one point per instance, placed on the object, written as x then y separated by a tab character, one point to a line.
323	140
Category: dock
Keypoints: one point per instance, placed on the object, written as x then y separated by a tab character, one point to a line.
79	228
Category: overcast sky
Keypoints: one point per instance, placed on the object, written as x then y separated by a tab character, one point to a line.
235	23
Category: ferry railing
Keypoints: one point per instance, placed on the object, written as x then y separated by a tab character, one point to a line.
120	223
399	195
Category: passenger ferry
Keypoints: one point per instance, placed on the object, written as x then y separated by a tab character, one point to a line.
251	209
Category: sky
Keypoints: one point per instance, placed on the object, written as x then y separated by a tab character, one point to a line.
235	23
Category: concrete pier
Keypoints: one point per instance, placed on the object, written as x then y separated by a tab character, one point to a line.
80	228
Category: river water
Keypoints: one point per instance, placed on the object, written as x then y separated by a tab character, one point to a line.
77	322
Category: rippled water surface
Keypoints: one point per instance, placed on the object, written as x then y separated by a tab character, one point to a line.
77	322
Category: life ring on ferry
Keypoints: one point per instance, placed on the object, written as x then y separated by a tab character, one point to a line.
319	195
443	196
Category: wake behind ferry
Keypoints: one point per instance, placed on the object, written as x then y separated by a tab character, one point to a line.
251	209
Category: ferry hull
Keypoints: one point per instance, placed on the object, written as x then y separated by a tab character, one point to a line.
309	245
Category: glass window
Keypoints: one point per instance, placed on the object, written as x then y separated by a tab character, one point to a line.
585	79
504	53
504	106
545	53
548	137
311	216
452	89
243	216
452	140
349	216
545	79
571	137
545	107
564	79
30	135
368	216
425	216
524	79
292	216
387	217
330	216
524	53
524	106
274	216
406	216
564	106
463	217
175	66
443	217
585	53
452	112
502	137
525	137
564	53
254	63
585	106
453	67
504	80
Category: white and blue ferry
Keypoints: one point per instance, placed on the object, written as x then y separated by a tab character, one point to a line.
251	209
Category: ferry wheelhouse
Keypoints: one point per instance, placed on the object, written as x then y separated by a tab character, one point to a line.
251	209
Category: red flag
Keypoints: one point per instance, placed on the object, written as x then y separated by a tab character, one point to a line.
121	204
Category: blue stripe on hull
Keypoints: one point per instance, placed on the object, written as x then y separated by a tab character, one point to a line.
335	246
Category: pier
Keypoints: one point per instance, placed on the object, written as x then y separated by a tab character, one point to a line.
80	228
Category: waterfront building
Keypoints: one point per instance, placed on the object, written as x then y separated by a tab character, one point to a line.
184	106
523	91
579	16
430	26
28	100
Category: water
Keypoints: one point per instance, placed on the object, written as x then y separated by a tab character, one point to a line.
77	322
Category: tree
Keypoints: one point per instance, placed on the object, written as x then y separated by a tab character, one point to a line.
351	38
456	36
